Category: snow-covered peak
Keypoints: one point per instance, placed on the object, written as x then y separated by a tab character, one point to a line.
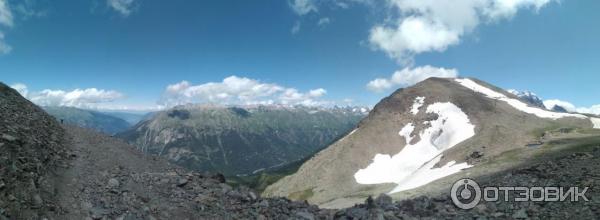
529	97
518	104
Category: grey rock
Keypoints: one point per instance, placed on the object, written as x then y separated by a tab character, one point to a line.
98	213
305	215
8	137
37	200
383	200
182	182
113	183
520	214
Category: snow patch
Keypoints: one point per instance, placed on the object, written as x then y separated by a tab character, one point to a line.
413	165
348	135
417	104
352	132
596	122
521	106
406	131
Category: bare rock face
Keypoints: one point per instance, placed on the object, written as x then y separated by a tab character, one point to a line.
406	143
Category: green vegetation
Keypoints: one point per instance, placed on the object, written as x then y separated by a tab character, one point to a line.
301	195
240	141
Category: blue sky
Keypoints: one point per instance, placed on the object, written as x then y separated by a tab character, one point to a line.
132	50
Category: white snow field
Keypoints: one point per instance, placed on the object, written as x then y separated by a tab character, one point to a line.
413	165
596	122
521	106
417	104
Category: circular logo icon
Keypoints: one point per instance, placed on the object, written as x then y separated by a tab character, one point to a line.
465	193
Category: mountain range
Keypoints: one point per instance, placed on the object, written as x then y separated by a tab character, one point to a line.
240	140
109	123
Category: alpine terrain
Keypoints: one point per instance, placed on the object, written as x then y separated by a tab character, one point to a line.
49	171
240	140
88	119
421	139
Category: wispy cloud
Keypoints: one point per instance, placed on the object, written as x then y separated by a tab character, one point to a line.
302	7
6	20
410	76
26	9
123	7
4	48
323	22
296	27
239	91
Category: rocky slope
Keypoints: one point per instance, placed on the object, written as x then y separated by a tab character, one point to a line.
239	140
419	139
88	119
31	146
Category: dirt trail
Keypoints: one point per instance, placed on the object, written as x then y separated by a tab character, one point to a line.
102	174
108	179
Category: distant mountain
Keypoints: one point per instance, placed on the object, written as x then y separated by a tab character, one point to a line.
240	140
131	118
528	97
558	108
88	119
421	139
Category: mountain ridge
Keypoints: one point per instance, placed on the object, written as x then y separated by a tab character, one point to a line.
382	136
240	140
99	121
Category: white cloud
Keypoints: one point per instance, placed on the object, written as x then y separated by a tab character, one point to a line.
302	7
410	76
594	109
315	93
323	22
239	91
379	85
549	104
81	98
124	7
21	88
432	25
